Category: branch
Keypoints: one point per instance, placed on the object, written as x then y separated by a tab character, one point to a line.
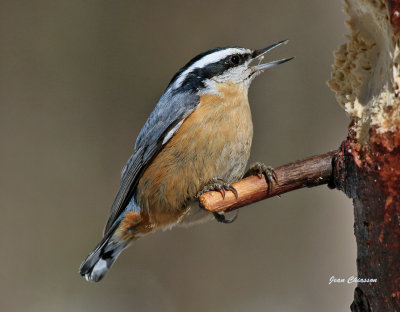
309	172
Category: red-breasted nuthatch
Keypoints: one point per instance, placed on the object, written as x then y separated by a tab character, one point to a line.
197	138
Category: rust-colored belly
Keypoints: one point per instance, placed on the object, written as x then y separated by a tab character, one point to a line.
214	140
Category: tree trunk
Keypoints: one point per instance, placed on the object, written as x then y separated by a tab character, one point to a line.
366	81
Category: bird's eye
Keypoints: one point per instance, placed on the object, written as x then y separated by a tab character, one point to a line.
235	59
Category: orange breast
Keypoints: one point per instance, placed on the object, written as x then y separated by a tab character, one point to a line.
214	140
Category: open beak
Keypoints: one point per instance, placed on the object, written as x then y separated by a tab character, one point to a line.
259	55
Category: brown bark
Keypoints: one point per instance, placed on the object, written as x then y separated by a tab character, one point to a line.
371	176
308	172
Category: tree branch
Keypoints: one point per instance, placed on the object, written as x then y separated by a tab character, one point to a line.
309	172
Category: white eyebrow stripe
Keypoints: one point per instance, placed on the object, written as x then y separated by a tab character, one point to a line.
208	59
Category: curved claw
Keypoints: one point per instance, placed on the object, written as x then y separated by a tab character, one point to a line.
274	175
221	190
233	190
219	185
270	182
270	175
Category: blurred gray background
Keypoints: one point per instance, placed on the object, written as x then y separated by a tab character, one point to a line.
77	82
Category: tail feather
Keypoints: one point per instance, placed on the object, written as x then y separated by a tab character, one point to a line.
100	260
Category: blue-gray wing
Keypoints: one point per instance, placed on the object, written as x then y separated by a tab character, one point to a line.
164	121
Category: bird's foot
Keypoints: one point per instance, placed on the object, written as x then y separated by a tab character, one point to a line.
219	185
221	218
261	170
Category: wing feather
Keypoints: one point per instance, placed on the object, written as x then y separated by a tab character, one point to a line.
164	121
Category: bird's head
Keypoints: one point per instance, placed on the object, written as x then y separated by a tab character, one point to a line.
222	65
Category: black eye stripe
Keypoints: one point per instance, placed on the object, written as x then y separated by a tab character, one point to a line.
234	60
194	80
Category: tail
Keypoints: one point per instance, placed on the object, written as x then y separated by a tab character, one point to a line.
100	260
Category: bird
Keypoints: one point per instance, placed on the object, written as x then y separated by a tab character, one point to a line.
197	139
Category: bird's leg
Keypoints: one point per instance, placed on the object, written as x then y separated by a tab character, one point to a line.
219	185
261	170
